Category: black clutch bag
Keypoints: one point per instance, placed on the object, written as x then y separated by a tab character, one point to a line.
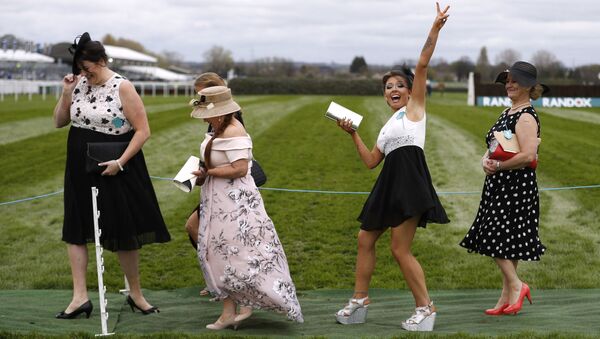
257	173
98	152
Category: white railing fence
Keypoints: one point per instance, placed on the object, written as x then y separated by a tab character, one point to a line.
19	89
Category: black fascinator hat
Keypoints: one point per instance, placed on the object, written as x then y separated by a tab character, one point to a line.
77	49
402	71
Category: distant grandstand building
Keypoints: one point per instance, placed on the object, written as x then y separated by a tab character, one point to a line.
22	64
40	71
131	64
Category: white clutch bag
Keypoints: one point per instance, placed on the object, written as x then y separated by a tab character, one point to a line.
337	112
185	180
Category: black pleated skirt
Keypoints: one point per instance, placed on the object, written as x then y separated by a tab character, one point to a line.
129	213
403	190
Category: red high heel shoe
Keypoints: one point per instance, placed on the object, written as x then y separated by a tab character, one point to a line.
516	307
496	311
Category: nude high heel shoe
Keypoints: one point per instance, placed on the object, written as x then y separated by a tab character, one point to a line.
245	313
221	324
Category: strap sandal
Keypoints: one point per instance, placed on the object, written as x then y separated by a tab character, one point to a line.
355	312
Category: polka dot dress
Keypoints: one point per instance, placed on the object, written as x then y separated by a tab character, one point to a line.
507	222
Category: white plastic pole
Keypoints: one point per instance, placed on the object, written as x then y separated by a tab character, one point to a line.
125	291
100	266
471	90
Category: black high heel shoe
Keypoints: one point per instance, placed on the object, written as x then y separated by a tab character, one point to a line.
133	306
86	308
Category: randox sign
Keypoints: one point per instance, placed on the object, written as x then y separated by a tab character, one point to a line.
542	102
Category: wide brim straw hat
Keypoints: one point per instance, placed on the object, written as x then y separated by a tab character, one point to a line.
214	102
524	73
76	49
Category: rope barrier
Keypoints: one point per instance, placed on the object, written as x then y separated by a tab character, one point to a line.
318	191
31	198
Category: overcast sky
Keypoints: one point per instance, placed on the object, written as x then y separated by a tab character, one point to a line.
383	31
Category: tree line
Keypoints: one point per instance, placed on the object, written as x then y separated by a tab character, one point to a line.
550	69
220	60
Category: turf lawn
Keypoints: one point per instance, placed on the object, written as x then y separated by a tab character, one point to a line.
299	149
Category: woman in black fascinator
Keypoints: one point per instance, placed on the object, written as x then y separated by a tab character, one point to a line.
104	149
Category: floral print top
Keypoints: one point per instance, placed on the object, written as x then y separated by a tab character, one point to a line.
99	108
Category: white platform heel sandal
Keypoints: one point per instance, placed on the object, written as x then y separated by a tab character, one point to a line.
353	313
422	320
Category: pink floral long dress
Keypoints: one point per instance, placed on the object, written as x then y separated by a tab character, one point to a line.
239	251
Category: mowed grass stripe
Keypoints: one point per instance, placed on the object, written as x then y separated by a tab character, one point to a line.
581	115
23	109
23	129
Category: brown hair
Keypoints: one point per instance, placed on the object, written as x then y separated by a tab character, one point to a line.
209	79
226	121
536	91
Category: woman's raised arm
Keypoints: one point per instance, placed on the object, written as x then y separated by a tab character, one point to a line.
417	103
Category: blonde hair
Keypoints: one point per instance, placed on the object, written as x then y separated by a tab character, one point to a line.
536	91
209	79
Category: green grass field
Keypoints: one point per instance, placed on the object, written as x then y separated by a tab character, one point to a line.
299	149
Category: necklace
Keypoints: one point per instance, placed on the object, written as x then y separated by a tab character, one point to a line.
507	132
518	107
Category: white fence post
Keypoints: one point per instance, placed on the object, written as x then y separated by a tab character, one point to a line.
100	266
29	88
471	90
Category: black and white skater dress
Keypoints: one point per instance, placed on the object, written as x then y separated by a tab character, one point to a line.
129	213
403	188
507	222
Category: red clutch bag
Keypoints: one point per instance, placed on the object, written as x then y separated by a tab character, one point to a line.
503	149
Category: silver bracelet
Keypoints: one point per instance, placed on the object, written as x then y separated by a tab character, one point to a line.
118	163
497	165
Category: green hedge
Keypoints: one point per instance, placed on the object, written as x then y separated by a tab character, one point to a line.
308	86
305	86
